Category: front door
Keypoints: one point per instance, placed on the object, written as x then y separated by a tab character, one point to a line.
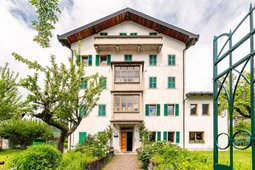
123	141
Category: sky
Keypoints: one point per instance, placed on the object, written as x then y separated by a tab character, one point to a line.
208	18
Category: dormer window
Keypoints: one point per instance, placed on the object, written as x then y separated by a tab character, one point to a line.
153	33
103	33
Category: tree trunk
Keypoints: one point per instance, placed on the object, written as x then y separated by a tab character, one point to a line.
61	141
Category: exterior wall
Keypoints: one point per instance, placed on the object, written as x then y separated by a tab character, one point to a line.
203	123
93	124
4	143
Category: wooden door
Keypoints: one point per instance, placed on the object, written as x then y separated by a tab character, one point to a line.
123	141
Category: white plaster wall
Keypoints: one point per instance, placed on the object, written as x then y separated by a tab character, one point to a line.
203	123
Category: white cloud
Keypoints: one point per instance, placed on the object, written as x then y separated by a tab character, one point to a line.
207	18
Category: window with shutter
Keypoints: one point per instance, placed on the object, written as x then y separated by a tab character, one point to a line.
153	82
158	136
101	110
177	110
171	82
108	60
165	136
102	82
158	109
128	57
171	60
153	60
90	60
177	140
97	60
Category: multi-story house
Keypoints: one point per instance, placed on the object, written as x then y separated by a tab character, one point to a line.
142	60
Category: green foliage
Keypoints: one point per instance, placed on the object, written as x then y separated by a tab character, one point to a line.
59	100
47	16
23	133
96	145
37	157
144	134
169	156
74	160
10	105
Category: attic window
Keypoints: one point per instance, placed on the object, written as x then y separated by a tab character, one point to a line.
103	33
153	33
123	34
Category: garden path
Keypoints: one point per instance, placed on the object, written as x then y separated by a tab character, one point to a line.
124	161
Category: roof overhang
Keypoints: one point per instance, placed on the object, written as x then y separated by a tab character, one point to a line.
199	93
128	14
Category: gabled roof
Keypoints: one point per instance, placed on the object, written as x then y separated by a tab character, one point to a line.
128	14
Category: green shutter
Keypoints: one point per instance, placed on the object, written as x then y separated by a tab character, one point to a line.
158	136
90	60
165	136
97	60
102	81
165	109
103	110
99	110
177	140
146	110
177	110
158	109
82	110
82	137
108	60
153	33
171	82
78	60
84	83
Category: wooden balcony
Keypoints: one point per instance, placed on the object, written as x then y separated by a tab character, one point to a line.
115	44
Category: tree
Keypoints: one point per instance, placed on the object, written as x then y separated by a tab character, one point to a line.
24	132
46	11
10	104
60	103
242	98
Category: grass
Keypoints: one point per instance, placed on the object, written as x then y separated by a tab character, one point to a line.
242	158
5	155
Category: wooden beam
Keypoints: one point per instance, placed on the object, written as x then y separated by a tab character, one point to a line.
138	48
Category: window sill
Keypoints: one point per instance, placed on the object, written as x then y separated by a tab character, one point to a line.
202	142
126	112
126	82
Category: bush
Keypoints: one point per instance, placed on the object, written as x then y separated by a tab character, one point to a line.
37	157
75	161
23	133
169	156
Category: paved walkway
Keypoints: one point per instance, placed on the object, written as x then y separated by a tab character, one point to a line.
124	161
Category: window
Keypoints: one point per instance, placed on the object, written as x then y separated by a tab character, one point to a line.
153	60
193	109
171	60
133	34
84	83
168	136
196	137
127	74
169	110
152	137
85	60
126	103
205	109
103	33
153	33
153	82
128	57
152	110
102	60
102	81
123	34
171	82
101	110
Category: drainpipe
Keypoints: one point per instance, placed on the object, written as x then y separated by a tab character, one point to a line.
183	95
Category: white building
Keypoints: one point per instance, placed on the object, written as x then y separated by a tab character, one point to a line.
143	62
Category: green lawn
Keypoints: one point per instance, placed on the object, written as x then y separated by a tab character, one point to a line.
5	155
242	159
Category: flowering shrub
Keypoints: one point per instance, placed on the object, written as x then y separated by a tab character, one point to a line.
165	155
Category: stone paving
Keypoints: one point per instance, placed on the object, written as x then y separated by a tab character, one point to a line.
124	161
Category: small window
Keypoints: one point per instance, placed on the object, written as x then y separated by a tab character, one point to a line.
196	137
128	57
123	34
85	60
133	34
101	110
170	110
152	110
170	137
205	108
152	137
153	82
171	82
153	33
102	81
171	60
193	109
103	33
153	60
103	60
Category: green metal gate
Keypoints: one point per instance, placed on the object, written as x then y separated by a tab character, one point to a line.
229	89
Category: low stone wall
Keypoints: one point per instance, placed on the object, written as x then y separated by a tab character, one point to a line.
99	164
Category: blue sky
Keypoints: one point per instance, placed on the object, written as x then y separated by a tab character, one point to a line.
204	17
